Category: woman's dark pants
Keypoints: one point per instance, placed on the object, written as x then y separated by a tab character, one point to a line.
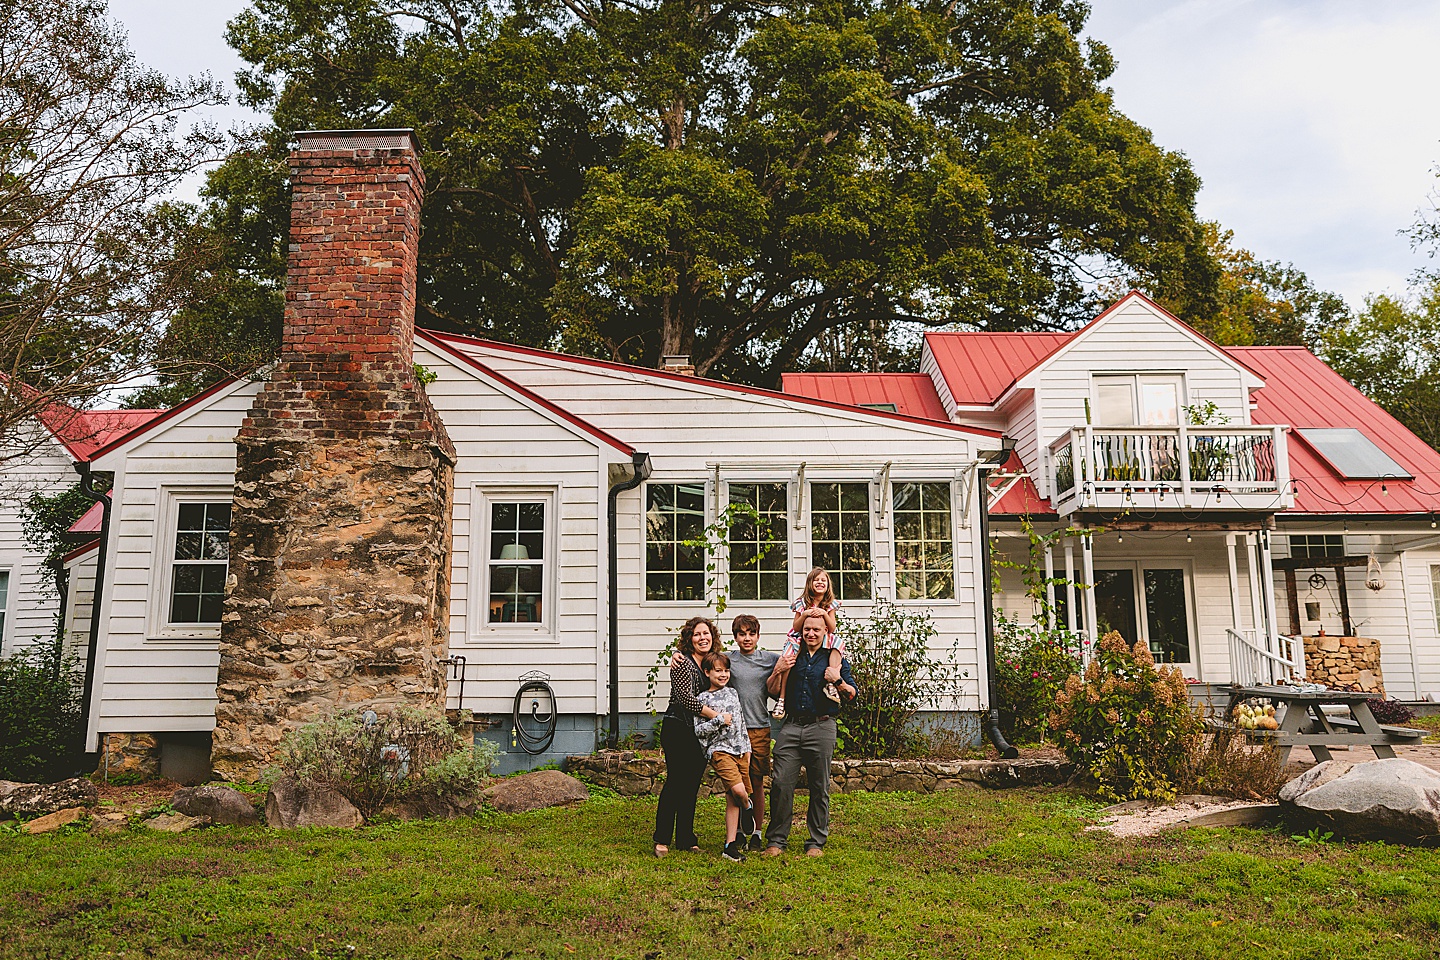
684	766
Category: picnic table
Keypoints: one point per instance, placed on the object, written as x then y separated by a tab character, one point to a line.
1303	722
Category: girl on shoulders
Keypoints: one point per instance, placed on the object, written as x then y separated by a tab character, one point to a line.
817	599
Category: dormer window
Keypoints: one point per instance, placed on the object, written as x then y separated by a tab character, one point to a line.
1143	399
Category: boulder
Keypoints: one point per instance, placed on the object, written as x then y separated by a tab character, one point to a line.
102	824
295	803
1391	799
218	803
534	791
54	821
39	799
431	808
174	823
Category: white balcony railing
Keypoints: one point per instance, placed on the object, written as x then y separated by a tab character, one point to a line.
1170	467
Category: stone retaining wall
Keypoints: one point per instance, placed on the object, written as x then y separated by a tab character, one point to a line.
1344	662
632	775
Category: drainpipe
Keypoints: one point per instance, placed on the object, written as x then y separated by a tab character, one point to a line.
640	465
87	487
992	718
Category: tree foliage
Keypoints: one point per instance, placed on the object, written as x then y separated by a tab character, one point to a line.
762	186
90	142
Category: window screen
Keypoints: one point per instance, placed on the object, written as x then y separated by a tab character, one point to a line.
517	561
840	536
1353	455
759	548
674	547
202	553
924	554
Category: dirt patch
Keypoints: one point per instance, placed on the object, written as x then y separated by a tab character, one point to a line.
1140	818
137	797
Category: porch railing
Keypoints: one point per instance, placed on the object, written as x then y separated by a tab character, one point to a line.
1253	661
1085	461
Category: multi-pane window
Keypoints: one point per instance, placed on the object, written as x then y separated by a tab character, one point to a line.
759	554
1435	591
4	599
924	551
674	541
1317	545
517	561
202	552
840	536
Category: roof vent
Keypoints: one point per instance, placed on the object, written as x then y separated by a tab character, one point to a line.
678	363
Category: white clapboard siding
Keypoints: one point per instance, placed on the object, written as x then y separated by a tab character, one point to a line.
32	603
79	603
1423	615
931	368
1135	338
690	426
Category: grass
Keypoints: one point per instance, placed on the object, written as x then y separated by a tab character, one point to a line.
968	874
1432	724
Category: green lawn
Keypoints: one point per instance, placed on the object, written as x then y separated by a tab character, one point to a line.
977	874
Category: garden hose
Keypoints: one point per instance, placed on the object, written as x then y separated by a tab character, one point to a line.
531	743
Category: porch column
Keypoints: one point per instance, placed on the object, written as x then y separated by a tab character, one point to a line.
1070	611
1234	582
1257	615
1087	560
1267	590
1049	586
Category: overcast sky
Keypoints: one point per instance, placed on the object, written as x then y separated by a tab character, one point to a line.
1314	124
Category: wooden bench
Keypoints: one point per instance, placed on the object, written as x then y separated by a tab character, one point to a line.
1396	734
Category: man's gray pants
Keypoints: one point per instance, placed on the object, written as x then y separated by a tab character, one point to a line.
814	746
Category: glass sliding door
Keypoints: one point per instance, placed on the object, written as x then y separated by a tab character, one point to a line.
1150	604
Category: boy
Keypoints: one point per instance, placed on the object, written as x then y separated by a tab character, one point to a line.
750	667
728	745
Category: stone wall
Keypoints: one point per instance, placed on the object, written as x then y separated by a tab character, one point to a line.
340	533
129	755
1344	663
633	775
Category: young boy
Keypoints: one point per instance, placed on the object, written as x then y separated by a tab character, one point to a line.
728	746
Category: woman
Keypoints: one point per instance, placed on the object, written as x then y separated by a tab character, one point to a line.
684	758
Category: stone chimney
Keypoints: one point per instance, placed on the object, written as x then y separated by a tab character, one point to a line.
340	533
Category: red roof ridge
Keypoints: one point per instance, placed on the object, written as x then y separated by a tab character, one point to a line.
707	382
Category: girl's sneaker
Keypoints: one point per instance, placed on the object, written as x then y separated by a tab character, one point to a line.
734	850
779	712
747	819
757	842
832	692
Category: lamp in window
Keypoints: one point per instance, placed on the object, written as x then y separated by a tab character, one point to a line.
514	551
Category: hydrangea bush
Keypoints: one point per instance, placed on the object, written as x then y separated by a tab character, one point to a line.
1031	664
1126	724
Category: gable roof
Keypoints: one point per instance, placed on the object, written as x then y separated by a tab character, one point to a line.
120	439
703	383
1301	391
913	394
979	367
525	393
80	432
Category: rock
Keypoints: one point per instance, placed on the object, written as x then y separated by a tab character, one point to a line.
433	808
174	823
54	821
1376	800
901	783
297	803
217	803
1249	815
102	824
534	791
38	799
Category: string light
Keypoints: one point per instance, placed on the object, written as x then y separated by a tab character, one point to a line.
1384	490
1119	538
1188	538
1432	521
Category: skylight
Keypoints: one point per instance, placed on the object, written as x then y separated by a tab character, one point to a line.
882	407
1353	455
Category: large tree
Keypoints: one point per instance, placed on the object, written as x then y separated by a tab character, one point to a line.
758	185
90	144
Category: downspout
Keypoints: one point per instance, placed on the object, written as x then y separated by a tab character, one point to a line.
87	481
640	465
992	718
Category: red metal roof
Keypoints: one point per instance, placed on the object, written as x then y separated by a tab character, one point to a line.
913	394
979	367
89	521
1301	391
1022	499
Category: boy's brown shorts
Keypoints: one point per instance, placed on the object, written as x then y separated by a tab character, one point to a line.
732	769
759	753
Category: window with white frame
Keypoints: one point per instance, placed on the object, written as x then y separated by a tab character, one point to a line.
759	543
840	536
198	562
1128	400
1435	591
674	534
516	573
4	602
924	544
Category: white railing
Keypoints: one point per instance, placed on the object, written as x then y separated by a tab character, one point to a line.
1253	662
1087	462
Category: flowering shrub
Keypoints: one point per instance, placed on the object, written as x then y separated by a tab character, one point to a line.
1125	724
889	653
1031	664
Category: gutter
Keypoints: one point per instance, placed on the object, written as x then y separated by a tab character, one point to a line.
991	723
640	464
87	487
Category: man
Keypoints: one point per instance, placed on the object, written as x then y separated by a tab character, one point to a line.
807	735
750	670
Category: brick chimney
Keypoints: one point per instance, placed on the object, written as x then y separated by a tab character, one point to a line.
340	533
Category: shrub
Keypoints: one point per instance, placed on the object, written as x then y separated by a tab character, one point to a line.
1031	664
1391	711
40	695
1125	724
889	654
1226	764
408	755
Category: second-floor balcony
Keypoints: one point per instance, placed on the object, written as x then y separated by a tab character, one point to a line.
1189	468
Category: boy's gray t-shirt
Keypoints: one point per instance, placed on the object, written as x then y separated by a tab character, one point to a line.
748	676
